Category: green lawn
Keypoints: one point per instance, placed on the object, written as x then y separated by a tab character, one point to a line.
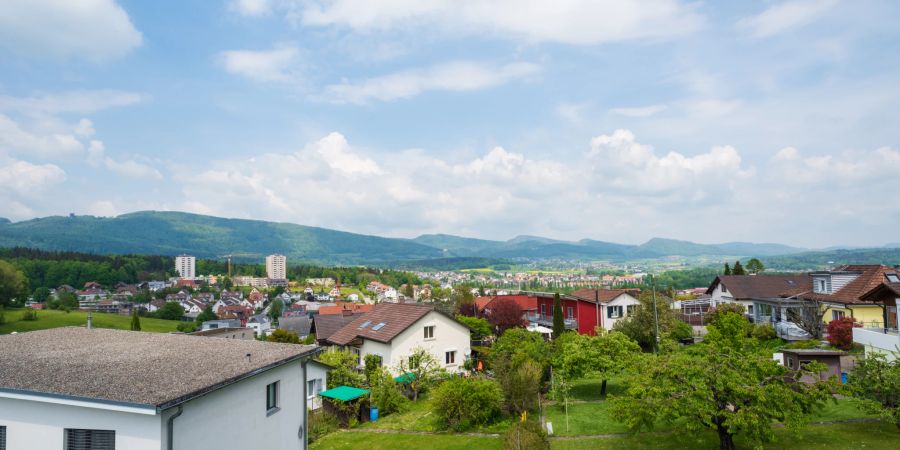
420	418
393	441
58	318
844	436
588	389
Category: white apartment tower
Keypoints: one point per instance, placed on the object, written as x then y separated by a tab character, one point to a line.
186	266
276	267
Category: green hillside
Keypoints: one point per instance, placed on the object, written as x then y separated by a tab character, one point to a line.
172	233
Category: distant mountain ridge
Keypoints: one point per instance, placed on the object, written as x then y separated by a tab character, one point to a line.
173	233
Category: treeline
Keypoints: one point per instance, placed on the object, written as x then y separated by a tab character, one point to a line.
52	269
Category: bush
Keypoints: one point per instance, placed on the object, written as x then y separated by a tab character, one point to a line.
715	313
480	327
812	343
320	423
840	332
283	336
186	327
680	331
29	315
460	403
386	394
763	332
526	435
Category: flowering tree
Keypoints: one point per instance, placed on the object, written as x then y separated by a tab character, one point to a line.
505	314
840	332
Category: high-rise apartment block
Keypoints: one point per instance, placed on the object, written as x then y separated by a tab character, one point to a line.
276	267
186	266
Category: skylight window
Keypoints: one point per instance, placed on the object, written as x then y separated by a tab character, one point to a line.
365	324
892	277
379	326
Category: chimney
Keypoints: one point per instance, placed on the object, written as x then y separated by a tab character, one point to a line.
90	321
346	312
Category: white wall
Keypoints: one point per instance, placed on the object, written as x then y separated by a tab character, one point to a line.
448	335
315	371
623	300
877	341
35	425
235	417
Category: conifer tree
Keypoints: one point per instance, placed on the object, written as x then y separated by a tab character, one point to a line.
727	269
738	269
559	326
135	321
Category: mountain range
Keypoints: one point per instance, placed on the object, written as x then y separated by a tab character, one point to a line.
172	233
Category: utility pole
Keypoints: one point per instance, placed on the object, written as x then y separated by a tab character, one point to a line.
655	313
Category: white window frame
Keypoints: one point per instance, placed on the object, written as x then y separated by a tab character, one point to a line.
837	314
428	336
272	408
447	354
570	312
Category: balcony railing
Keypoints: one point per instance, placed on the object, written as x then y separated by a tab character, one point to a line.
885	340
547	320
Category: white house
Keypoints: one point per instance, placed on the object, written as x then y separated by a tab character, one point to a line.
617	308
143	391
260	323
393	331
316	381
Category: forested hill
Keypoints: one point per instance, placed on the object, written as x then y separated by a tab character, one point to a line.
173	233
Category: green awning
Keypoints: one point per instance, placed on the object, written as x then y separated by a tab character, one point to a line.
405	378
344	393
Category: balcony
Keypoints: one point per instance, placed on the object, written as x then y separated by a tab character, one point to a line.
884	340
547	321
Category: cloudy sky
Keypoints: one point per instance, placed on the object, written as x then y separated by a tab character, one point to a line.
619	120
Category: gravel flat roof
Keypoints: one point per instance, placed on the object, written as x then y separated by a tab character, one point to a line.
152	369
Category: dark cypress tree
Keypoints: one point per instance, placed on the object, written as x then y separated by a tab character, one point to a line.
738	269
559	326
135	321
727	269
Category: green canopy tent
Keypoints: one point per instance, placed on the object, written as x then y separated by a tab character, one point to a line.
346	402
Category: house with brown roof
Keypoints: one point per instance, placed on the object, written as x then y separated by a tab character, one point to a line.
886	296
393	331
746	289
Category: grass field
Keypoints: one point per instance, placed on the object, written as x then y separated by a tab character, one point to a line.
392	441
874	436
419	418
57	318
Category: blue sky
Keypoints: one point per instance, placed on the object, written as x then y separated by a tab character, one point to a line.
766	121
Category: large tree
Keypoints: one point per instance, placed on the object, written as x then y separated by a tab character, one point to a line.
603	355
206	314
505	314
343	372
640	325
738	269
875	383
755	266
135	320
727	269
283	336
171	311
559	324
808	316
421	370
725	384
13	283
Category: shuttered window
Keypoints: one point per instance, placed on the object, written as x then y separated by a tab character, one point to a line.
2	438
77	439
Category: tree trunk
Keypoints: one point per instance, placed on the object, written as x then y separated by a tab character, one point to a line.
603	389
726	439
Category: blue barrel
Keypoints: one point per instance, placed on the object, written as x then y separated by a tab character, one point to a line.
844	377
373	414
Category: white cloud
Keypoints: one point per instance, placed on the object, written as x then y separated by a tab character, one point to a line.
571	22
785	16
453	76
55	143
639	111
25	178
95	30
253	8
278	64
82	102
127	168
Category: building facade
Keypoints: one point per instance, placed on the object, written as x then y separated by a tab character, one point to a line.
186	266
276	267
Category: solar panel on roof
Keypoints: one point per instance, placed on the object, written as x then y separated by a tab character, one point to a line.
379	326
365	324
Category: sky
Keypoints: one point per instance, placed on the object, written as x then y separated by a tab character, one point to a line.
619	120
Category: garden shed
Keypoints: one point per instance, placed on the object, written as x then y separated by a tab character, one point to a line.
346	403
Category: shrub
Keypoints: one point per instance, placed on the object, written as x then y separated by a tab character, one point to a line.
763	332
386	394
480	327
283	336
344	368
2	317
526	435
29	315
715	313
840	332
460	403
808	344
321	423
186	327
680	331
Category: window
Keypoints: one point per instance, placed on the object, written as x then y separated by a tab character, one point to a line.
365	324
790	362
837	315
629	309
450	357
570	312
429	332
892	278
820	286
2	438
543	310
724	289
749	309
613	312
313	387
379	326
76	439
272	398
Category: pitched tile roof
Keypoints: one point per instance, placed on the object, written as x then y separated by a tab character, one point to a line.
525	302
762	286
329	324
339	308
870	277
605	295
132	367
395	317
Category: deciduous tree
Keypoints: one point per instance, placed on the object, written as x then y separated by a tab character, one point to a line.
423	369
755	266
13	283
640	325
505	314
283	336
875	384
344	371
603	355
840	332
